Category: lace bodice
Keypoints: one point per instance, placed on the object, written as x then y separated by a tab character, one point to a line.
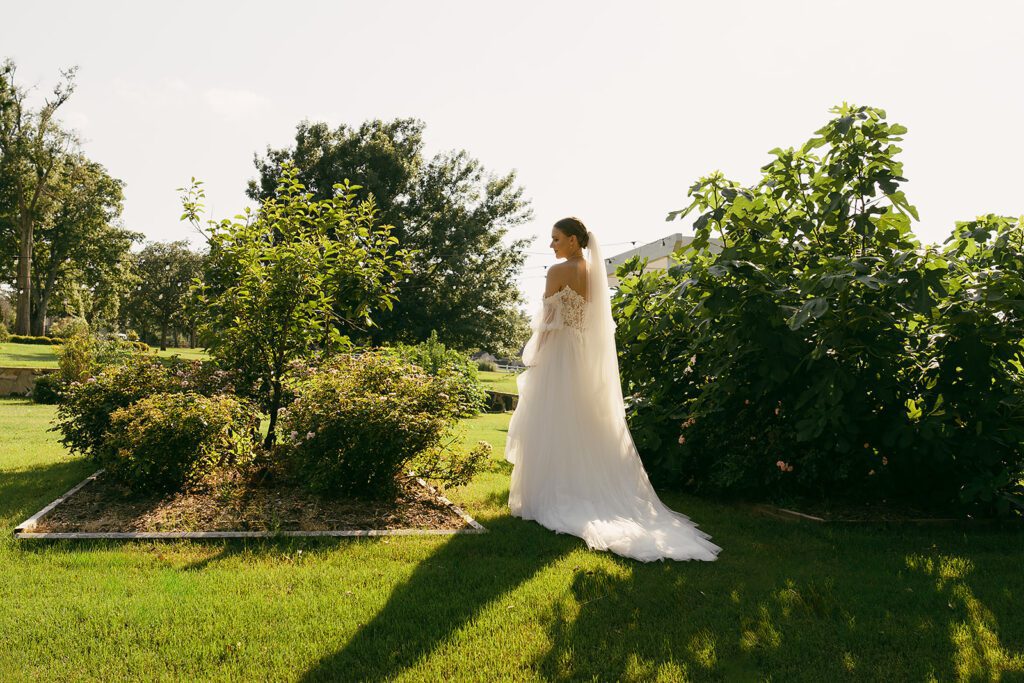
567	304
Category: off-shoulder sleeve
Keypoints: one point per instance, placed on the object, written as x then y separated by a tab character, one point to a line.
547	318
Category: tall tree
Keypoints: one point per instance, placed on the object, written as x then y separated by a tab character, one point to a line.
448	210
165	272
291	280
32	148
79	248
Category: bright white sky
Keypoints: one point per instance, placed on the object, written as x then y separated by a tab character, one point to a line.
607	111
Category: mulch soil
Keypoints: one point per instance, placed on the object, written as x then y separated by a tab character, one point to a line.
104	506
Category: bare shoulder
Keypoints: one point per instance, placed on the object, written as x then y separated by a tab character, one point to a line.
558	276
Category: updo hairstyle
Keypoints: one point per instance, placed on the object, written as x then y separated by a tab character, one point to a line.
574	226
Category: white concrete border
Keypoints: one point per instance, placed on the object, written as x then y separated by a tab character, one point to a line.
23	530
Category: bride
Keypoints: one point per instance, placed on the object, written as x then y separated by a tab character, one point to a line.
576	469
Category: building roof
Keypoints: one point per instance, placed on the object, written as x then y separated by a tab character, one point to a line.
658	254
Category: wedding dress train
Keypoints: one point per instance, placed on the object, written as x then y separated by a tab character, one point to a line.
576	468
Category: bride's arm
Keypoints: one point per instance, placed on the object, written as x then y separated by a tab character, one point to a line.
551	286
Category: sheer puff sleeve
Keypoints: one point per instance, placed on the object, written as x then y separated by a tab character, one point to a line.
547	318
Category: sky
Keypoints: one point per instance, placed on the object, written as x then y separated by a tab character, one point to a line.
606	111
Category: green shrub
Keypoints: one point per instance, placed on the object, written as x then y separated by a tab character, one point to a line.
823	352
82	355
359	420
47	388
26	339
5	336
69	327
83	413
487	366
453	369
167	442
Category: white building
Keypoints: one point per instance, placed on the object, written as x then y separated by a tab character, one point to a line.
658	254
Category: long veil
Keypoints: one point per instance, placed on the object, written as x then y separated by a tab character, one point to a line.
599	340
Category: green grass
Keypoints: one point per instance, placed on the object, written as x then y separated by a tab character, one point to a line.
45	356
786	601
499	381
186	354
27	356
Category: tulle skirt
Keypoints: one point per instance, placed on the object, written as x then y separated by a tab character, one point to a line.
578	472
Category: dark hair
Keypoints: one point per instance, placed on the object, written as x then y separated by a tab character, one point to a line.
574	226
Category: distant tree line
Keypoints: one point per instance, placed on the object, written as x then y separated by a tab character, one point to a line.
64	251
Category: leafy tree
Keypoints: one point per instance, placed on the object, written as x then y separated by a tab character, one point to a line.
291	280
825	352
79	249
164	273
33	147
447	210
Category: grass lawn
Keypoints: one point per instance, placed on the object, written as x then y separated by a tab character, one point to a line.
45	356
499	381
786	601
27	356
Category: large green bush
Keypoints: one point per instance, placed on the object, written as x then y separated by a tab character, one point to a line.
167	442
359	420
824	352
451	368
83	414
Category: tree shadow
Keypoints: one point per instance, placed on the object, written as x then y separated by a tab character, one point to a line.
445	592
867	617
25	492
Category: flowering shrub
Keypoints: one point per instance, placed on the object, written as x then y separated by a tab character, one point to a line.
357	421
808	344
166	442
452	368
85	407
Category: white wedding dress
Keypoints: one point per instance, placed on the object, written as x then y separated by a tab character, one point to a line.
576	469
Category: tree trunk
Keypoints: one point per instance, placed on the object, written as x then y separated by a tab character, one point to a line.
23	319
163	336
275	405
176	344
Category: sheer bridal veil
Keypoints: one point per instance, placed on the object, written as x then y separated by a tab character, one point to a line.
600	356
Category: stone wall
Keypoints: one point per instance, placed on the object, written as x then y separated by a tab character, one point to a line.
19	381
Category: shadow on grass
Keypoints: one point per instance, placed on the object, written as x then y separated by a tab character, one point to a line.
25	492
444	594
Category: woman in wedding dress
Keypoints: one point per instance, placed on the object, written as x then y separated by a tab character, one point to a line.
576	469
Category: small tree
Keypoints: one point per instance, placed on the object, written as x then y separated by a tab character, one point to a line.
291	280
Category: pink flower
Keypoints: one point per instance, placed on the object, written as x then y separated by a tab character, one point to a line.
784	466
777	411
682	439
871	473
746	401
885	460
310	435
867	445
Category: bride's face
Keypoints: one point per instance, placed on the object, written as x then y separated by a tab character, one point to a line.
563	245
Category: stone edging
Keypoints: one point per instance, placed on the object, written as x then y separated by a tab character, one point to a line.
23	530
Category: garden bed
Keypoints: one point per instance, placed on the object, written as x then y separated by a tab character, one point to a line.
99	508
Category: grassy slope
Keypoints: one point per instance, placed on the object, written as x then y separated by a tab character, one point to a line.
786	600
43	356
499	381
